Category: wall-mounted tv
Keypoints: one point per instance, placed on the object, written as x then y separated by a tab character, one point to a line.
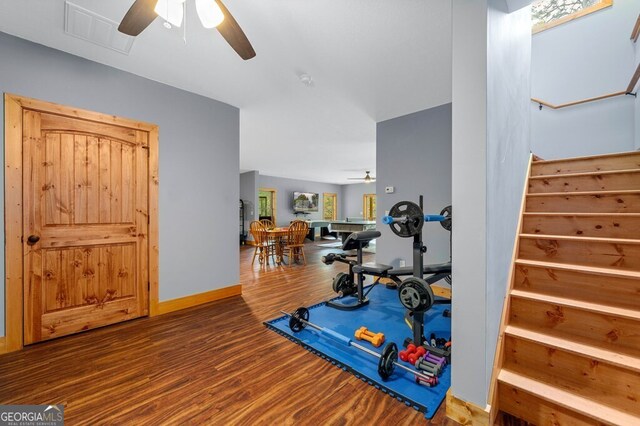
305	202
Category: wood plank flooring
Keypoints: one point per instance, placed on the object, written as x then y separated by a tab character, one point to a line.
212	364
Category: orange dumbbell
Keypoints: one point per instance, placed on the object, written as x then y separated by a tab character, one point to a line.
376	339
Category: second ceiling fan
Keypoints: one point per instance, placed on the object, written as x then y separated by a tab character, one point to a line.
212	13
367	178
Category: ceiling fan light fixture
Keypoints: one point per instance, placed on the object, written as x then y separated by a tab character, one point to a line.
172	11
209	13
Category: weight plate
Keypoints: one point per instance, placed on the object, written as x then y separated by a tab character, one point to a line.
343	283
415	294
295	323
446	212
386	363
415	219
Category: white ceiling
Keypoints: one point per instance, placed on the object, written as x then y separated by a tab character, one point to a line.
370	60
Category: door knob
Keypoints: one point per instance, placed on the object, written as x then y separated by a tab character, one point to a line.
33	239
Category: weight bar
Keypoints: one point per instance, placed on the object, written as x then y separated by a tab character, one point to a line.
387	361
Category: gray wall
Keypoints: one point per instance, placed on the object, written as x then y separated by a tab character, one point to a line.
469	186
199	156
286	188
249	194
352	198
508	145
491	128
414	155
587	57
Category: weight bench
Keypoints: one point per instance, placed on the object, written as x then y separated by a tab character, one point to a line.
355	241
437	272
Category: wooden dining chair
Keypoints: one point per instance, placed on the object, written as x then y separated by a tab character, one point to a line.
294	246
264	246
268	223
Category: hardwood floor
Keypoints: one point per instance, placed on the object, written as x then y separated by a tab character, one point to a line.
212	364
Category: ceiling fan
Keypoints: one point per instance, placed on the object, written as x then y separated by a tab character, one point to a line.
367	178
212	13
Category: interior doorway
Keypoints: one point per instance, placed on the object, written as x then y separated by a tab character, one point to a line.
329	206
267	204
369	206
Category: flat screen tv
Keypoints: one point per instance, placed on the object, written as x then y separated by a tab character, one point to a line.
305	202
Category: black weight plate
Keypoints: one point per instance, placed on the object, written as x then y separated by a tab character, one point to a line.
446	212
343	283
294	321
415	294
413	226
386	363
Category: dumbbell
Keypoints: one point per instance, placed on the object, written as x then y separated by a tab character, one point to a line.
412	353
376	339
430	382
441	361
428	366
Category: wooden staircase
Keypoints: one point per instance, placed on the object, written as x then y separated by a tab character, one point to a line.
569	345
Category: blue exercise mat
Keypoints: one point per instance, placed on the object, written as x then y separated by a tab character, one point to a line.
385	314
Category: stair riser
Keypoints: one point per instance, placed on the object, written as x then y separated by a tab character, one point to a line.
626	161
597	381
583	226
601	182
589	253
592	328
590	203
537	411
606	290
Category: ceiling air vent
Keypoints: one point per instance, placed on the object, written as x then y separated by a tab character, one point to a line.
96	29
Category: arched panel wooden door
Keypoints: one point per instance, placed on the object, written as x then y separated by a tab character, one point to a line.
85	224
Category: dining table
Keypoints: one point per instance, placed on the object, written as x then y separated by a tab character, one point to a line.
278	236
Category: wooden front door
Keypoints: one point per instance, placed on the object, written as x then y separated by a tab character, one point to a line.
85	224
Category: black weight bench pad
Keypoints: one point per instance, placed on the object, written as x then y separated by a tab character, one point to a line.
372	268
438	268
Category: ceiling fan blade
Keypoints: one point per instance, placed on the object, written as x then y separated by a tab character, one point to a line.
231	31
139	17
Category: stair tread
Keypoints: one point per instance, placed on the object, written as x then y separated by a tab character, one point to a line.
568	400
578	174
580	268
587	306
588	157
556	194
579	238
581	214
590	351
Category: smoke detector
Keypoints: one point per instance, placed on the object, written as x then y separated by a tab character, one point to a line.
306	79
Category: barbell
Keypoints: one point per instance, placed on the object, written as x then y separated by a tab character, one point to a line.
387	361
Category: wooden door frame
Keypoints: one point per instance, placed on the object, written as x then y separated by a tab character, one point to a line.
335	204
364	205
13	202
274	202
